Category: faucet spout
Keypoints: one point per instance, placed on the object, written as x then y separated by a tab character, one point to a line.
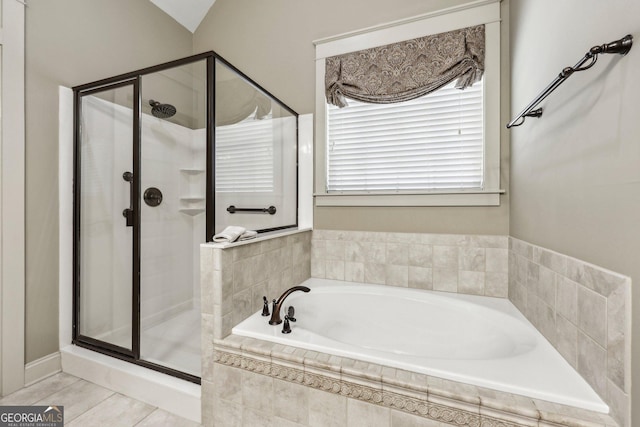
275	314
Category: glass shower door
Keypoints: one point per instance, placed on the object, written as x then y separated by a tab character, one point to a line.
141	179
173	166
104	212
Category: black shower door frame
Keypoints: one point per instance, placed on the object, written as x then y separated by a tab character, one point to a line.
134	79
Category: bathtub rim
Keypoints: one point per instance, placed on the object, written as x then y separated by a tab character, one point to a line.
501	304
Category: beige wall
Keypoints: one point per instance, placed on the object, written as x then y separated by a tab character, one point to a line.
575	172
271	42
70	42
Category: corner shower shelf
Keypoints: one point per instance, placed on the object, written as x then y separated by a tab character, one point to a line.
191	211
192	199
191	171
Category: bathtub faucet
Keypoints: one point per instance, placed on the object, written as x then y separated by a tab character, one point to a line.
275	313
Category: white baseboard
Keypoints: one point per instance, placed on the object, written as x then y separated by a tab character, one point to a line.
42	368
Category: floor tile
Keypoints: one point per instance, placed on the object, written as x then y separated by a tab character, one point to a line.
40	390
78	398
116	411
89	405
160	418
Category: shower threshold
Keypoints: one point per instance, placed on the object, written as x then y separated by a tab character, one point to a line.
174	395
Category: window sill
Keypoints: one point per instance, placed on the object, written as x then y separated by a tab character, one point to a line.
478	198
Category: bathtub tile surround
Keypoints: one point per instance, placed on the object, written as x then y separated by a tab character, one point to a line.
235	277
467	264
583	310
310	389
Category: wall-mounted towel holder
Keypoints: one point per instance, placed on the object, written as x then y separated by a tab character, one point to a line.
622	47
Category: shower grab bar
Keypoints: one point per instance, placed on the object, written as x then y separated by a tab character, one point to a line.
622	47
271	210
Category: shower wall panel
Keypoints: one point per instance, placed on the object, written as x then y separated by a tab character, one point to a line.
194	182
168	235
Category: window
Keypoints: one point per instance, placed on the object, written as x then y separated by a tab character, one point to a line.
430	143
245	157
440	149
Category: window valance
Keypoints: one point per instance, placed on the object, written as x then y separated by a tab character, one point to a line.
239	100
406	70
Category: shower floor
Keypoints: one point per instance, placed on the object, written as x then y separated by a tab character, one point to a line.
174	343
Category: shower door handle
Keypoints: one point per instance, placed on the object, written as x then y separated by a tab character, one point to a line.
128	213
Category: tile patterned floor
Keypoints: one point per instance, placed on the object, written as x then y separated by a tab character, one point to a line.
89	405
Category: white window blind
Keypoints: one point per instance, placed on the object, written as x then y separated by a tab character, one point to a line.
244	156
427	144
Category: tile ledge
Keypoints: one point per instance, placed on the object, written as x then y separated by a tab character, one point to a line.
262	237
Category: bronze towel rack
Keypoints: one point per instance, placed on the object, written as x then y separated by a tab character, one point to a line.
622	47
271	210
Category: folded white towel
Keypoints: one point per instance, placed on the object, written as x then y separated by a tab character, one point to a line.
229	234
249	234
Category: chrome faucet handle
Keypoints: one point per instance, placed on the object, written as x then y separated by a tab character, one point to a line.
265	306
290	313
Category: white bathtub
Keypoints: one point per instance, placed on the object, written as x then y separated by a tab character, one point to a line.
471	339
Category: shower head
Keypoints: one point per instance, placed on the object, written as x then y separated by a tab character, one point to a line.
162	111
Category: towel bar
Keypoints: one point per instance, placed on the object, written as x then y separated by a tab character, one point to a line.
271	210
622	47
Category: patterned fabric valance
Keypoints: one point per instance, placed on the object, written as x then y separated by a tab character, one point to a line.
406	70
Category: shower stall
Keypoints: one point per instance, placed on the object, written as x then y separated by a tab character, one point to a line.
165	158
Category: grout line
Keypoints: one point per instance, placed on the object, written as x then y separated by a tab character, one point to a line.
33	386
74	383
148	415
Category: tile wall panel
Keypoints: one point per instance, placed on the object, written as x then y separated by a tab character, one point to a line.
583	310
234	279
467	264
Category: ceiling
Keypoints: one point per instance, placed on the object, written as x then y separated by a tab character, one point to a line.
188	13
